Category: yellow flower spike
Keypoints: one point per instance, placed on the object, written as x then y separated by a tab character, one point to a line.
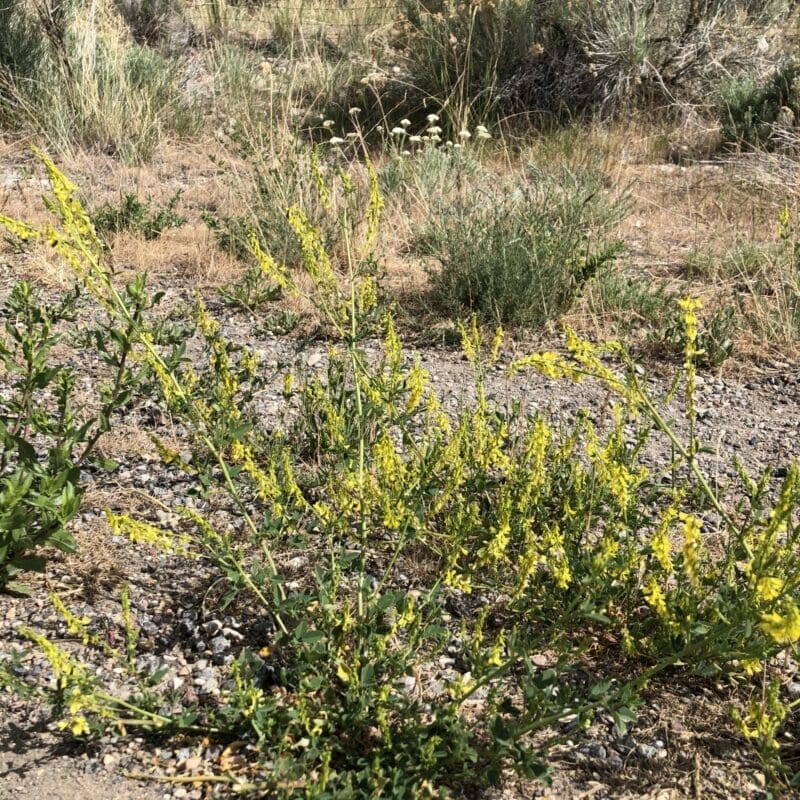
471	340
628	643
654	596
77	626
374	207
348	187
367	296
549	364
271	269
21	230
315	256
392	348
249	362
416	382
751	666
458	581
497	343
141	533
498	649
689	305
784	627
660	542
692	548
323	190
784	229
769	587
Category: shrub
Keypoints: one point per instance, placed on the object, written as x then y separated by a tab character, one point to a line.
154	22
280	166
750	108
77	80
520	255
47	437
460	53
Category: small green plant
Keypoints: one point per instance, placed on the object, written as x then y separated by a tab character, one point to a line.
251	292
714	339
281	166
629	301
520	255
279	323
131	214
47	436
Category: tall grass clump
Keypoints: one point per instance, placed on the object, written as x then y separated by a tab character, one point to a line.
92	86
562	574
568	60
460	54
22	50
519	254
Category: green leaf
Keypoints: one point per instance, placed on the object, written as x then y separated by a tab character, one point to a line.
28	563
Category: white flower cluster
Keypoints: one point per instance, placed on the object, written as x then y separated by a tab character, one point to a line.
432	133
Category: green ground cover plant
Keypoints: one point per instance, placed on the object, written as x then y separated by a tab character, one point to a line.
541	535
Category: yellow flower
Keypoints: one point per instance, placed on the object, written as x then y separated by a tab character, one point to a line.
78	725
496	656
660	543
416	381
751	666
141	533
692	543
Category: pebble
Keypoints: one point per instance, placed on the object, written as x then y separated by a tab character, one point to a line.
649	752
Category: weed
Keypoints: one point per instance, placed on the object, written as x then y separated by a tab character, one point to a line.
251	292
567	535
629	301
134	215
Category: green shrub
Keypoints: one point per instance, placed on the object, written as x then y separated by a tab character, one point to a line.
47	438
520	255
750	108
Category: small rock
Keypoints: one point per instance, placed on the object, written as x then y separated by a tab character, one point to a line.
649	753
594	750
191	764
615	763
